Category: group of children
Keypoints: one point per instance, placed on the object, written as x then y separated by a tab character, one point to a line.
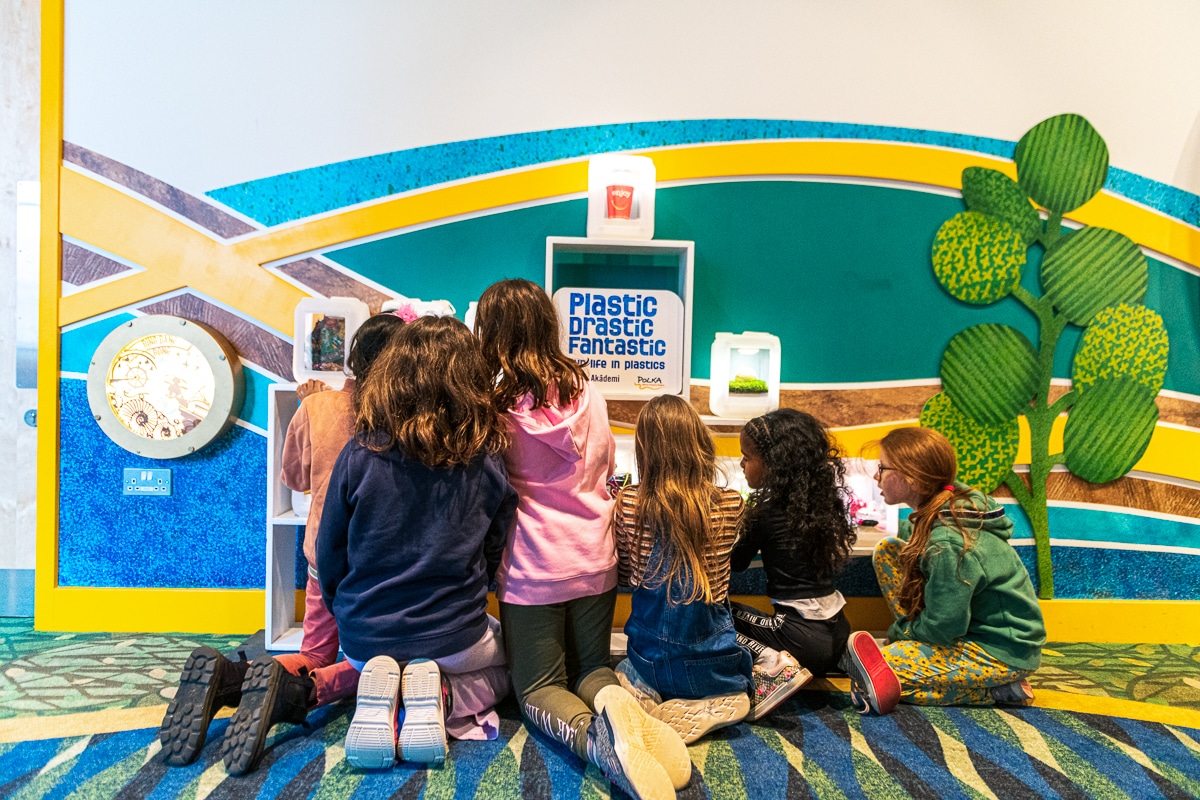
457	458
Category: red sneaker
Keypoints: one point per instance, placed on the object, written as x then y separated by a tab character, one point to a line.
874	687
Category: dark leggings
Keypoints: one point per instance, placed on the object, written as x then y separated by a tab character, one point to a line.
817	644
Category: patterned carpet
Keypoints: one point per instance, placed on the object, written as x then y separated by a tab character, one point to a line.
78	715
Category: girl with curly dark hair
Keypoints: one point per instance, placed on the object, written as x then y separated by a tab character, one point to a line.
797	519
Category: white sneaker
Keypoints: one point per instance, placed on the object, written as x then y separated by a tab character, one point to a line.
371	737
423	732
691	719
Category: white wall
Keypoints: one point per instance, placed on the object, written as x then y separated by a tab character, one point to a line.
203	95
20	31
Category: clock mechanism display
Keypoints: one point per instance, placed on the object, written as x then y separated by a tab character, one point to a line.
160	386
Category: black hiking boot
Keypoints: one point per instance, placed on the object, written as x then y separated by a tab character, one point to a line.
209	681
270	694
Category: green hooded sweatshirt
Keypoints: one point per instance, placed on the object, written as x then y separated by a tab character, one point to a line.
979	592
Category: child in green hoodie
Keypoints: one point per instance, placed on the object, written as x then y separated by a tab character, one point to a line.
968	627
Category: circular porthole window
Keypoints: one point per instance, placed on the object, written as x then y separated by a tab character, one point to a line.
164	387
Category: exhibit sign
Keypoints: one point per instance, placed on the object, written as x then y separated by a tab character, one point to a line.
630	341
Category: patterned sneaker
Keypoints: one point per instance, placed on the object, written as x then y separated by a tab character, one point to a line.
423	733
772	687
617	746
691	719
874	688
270	694
371	737
208	682
1017	693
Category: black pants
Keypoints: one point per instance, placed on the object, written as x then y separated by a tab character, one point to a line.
817	644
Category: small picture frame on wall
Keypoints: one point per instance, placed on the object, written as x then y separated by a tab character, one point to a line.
324	328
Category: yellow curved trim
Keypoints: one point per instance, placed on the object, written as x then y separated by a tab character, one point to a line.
124	225
174	255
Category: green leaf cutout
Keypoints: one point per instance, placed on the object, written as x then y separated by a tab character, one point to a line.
990	372
1122	341
1093	268
1062	162
985	453
991	192
977	258
1108	429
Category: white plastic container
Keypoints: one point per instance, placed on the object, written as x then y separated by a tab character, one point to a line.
620	197
324	328
745	374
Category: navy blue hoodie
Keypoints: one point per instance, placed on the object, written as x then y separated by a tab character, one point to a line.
405	553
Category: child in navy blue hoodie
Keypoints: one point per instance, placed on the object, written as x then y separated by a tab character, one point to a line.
416	516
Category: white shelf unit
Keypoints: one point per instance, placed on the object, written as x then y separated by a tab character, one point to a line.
282	631
683	252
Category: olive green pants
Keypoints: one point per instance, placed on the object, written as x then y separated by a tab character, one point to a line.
559	658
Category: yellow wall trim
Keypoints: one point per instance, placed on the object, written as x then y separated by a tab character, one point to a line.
81	609
242	611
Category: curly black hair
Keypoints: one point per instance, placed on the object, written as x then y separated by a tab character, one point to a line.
805	474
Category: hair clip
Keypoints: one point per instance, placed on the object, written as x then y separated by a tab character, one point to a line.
949	487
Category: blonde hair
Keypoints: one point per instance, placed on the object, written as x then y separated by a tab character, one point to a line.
925	458
676	463
429	394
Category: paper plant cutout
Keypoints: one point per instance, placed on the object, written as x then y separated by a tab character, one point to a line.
1093	278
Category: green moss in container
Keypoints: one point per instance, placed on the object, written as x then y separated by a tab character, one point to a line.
747	386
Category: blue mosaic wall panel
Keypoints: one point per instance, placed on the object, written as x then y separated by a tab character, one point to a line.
208	534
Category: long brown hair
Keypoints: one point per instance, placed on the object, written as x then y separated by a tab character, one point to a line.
428	393
518	330
925	458
676	463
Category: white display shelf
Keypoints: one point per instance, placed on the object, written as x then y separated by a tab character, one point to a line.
681	254
282	631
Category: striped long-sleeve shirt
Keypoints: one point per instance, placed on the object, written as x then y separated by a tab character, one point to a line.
635	546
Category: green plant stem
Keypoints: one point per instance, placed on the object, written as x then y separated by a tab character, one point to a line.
1052	230
1064	402
1040	417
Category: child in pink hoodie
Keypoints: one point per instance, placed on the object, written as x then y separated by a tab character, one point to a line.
557	580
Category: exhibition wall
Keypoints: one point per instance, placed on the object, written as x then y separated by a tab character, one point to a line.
221	164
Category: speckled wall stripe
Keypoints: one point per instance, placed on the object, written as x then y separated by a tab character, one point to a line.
328	281
251	342
197	210
81	266
295	195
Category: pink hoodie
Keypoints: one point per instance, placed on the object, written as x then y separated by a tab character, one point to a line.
561	547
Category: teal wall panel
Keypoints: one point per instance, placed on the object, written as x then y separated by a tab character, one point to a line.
840	272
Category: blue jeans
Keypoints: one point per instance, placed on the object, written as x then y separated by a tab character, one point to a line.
685	650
